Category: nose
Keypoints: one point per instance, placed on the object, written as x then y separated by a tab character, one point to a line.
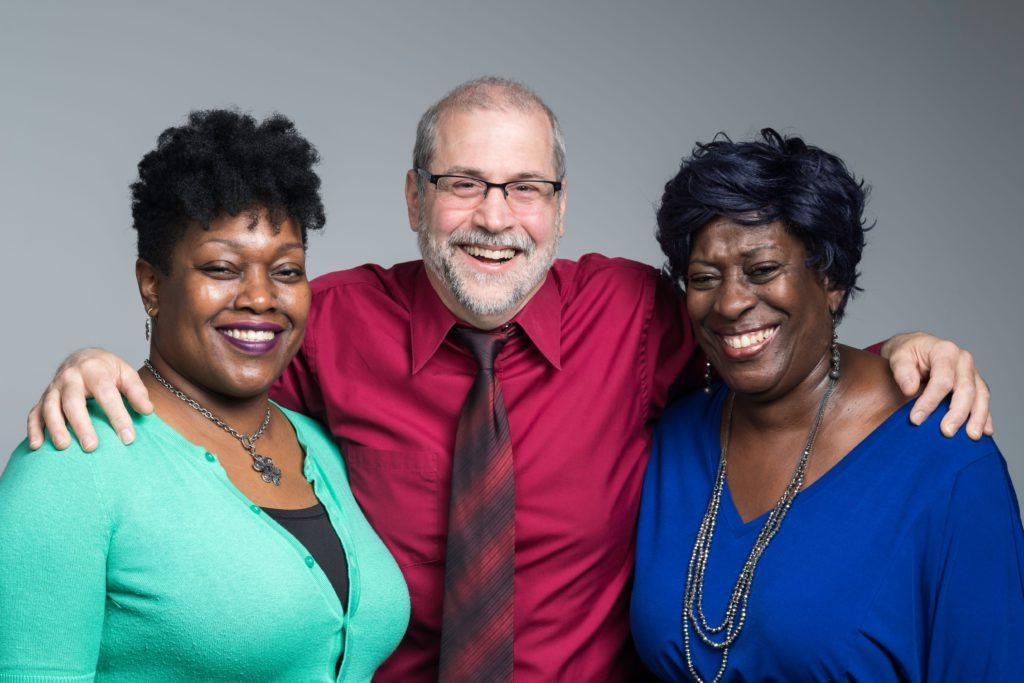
735	297
494	213
257	292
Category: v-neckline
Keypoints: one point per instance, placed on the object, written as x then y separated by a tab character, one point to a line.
728	510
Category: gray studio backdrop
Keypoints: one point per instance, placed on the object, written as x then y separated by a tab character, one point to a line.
922	99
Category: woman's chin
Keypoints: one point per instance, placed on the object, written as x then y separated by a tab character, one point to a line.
750	382
242	383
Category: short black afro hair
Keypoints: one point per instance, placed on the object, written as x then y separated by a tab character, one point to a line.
223	161
762	181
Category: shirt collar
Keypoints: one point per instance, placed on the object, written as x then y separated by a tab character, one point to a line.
431	321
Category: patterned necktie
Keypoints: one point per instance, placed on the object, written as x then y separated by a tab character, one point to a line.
476	632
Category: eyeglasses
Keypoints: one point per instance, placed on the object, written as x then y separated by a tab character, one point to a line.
470	191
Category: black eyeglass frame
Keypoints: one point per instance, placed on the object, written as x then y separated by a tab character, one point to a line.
434	177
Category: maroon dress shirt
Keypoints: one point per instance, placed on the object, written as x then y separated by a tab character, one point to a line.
604	341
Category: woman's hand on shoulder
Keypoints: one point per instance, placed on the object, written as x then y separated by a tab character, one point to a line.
943	367
88	373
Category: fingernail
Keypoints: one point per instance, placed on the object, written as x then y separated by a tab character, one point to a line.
948	430
917	417
61	444
34	443
88	444
127	436
974	434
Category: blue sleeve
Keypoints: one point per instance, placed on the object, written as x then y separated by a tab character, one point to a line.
54	535
977	626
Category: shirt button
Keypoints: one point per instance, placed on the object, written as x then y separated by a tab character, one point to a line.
309	562
209	457
255	508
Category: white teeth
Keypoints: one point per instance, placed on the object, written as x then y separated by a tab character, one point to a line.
493	254
249	335
742	341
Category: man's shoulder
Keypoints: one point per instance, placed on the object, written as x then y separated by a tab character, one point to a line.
368	274
593	264
367	285
599	271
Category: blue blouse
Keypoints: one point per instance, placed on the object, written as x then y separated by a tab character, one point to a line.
905	561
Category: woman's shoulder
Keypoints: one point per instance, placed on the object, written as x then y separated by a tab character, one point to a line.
914	447
307	428
929	447
930	471
690	411
73	456
48	478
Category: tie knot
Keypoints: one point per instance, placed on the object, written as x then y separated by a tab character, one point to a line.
482	344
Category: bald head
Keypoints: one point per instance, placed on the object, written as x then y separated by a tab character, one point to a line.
487	93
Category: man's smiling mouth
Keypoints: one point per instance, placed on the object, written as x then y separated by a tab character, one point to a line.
490	254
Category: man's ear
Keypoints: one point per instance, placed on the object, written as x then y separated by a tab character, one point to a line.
148	278
412	199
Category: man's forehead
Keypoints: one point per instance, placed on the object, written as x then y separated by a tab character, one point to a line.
487	141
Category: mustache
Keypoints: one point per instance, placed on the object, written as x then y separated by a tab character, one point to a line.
482	238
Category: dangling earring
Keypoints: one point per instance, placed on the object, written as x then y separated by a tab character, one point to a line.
707	377
149	322
834	372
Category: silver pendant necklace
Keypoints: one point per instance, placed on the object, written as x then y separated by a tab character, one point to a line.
269	472
736	610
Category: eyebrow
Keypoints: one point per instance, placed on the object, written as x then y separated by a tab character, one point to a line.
477	173
754	250
747	253
238	246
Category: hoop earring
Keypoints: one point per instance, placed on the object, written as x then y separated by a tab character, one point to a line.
707	377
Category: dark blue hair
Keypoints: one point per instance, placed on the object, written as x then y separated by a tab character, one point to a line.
771	179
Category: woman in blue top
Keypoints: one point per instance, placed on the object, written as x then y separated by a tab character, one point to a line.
794	525
225	543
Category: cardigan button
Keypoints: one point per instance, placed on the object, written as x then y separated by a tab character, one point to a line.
210	457
309	561
255	508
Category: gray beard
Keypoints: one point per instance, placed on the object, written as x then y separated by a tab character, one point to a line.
506	290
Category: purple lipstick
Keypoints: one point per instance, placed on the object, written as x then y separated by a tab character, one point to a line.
251	337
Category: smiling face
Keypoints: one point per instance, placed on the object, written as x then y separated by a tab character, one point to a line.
232	312
762	316
486	260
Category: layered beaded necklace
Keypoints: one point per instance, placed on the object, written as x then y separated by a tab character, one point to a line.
736	610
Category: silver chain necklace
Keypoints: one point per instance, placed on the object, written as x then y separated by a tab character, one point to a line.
736	610
269	472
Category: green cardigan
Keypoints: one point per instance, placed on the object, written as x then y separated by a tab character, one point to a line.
145	563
